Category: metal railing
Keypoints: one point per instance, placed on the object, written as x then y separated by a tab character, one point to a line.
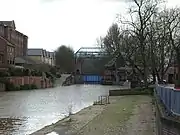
102	100
170	98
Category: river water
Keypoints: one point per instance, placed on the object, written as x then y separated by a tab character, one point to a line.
24	112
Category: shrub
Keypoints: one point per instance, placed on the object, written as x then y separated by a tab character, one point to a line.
148	91
28	87
33	86
4	74
27	72
16	71
53	70
58	75
10	87
17	88
25	87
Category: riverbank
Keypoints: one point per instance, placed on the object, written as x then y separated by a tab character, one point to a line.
124	115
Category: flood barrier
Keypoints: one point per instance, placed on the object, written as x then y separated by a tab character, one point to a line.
170	98
92	79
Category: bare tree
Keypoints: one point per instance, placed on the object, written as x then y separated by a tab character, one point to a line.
148	39
172	23
161	51
141	13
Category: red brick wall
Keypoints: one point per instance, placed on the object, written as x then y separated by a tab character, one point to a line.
38	81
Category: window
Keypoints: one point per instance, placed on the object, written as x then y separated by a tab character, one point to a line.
1	58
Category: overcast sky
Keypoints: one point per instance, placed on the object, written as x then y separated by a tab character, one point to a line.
51	23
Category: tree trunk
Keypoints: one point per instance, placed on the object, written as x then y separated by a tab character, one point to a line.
158	77
154	76
145	76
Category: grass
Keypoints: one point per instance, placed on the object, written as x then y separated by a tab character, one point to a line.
113	118
137	91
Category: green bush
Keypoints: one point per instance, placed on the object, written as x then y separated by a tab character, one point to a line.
4	74
148	91
33	86
17	88
58	75
28	87
25	87
16	72
37	73
53	70
27	72
3	80
10	87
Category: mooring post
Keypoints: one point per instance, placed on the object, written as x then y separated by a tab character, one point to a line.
108	100
101	100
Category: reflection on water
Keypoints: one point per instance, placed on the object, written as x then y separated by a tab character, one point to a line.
53	133
24	112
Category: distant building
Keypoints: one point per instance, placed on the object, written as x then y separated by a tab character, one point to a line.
12	43
42	56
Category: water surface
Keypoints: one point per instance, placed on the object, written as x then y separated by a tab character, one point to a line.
24	112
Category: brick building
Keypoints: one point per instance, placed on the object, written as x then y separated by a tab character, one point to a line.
12	43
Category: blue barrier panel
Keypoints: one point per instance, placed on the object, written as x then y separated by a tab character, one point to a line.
92	79
87	78
170	98
176	107
84	78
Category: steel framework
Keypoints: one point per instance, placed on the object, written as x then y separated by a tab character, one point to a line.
90	53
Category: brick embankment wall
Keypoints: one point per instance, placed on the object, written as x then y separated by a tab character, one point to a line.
38	81
165	125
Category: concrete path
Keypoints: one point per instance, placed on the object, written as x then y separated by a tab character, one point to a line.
60	81
128	115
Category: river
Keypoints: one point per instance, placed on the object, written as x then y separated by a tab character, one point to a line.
24	112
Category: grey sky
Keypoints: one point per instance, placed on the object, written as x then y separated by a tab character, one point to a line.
51	23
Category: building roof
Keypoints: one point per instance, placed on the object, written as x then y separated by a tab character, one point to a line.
9	23
35	52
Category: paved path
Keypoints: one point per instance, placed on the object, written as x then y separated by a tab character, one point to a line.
128	115
60	81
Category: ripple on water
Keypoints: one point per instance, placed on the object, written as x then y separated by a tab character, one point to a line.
10	126
32	110
53	133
